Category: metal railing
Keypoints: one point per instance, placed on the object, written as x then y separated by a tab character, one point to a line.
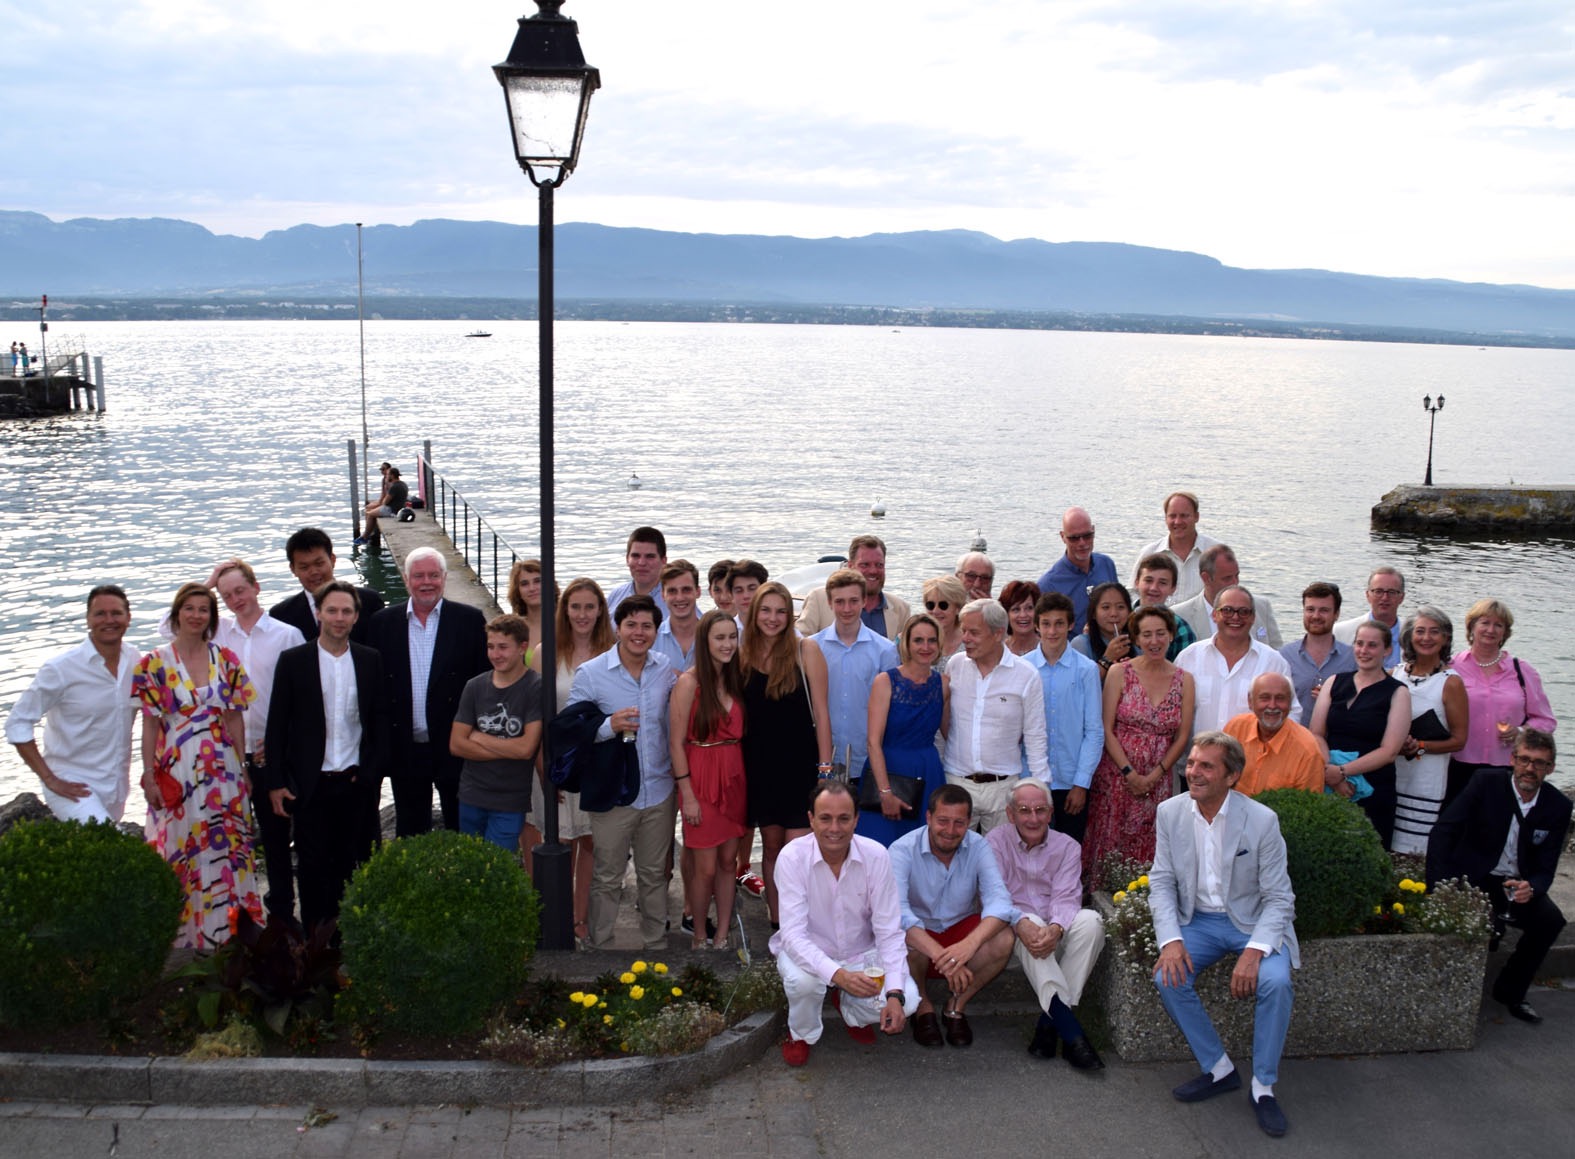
476	540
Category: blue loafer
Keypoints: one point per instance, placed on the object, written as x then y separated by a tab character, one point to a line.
1270	1117
1206	1086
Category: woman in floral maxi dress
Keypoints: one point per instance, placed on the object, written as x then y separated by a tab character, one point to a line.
192	770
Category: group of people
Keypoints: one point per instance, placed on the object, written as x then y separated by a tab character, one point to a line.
877	751
21	360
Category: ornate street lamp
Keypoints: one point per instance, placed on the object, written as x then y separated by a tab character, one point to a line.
547	89
1432	410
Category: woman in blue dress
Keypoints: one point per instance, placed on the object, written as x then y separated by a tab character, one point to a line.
907	710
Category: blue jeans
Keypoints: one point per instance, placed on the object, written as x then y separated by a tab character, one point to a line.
1208	938
494	825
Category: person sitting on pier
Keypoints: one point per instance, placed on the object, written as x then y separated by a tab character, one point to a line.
431	647
645	554
310	553
396	493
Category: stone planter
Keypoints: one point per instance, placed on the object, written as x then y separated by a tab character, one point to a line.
1378	994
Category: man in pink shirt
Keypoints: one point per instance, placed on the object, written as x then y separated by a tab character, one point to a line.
841	928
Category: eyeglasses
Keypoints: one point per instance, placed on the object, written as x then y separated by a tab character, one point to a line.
1392	593
978	576
1079	537
1535	764
937	605
1034	810
1235	613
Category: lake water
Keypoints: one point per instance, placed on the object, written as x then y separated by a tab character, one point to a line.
774	442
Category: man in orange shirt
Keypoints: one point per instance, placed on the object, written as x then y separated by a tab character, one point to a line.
1281	753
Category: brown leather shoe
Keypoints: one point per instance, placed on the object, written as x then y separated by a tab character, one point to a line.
958	1032
927	1029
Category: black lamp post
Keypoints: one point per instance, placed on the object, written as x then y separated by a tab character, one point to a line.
547	89
1432	410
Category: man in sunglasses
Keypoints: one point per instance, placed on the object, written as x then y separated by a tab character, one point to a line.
1504	834
1080	568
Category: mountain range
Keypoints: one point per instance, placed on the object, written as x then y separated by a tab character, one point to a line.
951	270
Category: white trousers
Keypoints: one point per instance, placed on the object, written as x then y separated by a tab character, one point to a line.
1064	973
806	996
989	800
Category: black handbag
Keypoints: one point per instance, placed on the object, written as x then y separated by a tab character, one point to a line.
1429	727
908	790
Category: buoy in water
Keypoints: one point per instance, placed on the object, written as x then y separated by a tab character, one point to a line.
878	511
634	482
978	543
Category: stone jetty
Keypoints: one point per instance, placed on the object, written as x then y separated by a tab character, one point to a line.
1455	510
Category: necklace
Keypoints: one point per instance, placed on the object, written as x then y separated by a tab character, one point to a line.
1497	656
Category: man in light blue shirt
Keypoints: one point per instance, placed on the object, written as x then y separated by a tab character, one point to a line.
632	684
956	913
1074	714
645	554
1317	655
855	655
1080	569
677	636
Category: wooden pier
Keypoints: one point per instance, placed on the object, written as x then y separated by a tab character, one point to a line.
464	586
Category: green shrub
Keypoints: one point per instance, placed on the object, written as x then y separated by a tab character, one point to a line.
1338	866
87	918
438	933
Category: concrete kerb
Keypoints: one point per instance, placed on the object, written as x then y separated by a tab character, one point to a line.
362	1082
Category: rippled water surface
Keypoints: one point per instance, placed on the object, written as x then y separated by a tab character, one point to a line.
774	441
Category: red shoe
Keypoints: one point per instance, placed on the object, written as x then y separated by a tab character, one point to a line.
752	883
863	1035
795	1051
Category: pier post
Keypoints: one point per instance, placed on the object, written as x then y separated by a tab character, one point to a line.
98	379
355	492
424	476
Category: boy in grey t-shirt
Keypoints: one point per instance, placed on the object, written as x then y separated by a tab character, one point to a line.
497	730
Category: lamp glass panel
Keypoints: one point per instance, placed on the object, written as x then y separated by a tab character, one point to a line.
545	112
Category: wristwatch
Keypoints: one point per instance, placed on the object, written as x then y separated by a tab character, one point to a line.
898	995
1126	770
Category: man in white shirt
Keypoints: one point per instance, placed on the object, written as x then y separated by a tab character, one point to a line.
1223	667
841	928
1219	886
997	716
83	696
1183	543
1385	593
1218	570
325	746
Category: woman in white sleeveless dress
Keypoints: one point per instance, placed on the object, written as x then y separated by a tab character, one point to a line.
1422	770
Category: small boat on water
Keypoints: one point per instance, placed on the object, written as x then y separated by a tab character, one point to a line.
479	334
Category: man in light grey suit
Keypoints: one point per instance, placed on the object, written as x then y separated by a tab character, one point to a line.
1219	886
1218	570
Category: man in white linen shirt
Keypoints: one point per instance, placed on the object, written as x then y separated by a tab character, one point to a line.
83	696
1224	666
841	928
997	716
1385	593
1183	543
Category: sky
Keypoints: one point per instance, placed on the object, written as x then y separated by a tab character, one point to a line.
1394	138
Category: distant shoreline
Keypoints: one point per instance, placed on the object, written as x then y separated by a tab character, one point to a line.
304	308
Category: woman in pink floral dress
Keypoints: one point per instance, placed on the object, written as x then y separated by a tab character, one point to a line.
1148	711
192	772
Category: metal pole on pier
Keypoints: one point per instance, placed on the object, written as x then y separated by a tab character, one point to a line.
360	318
355	495
98	377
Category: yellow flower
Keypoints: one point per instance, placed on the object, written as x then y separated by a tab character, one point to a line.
1419	887
639	967
561	1024
1143	881
589	1000
1131	885
623	1046
1406	883
626	977
660	967
601	1006
577	997
637	992
1378	909
1398	908
607	1019
1119	895
677	993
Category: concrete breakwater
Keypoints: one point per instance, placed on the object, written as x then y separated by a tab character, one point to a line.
1476	508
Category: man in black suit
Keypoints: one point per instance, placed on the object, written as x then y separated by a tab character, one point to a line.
1504	834
431	647
325	746
312	559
